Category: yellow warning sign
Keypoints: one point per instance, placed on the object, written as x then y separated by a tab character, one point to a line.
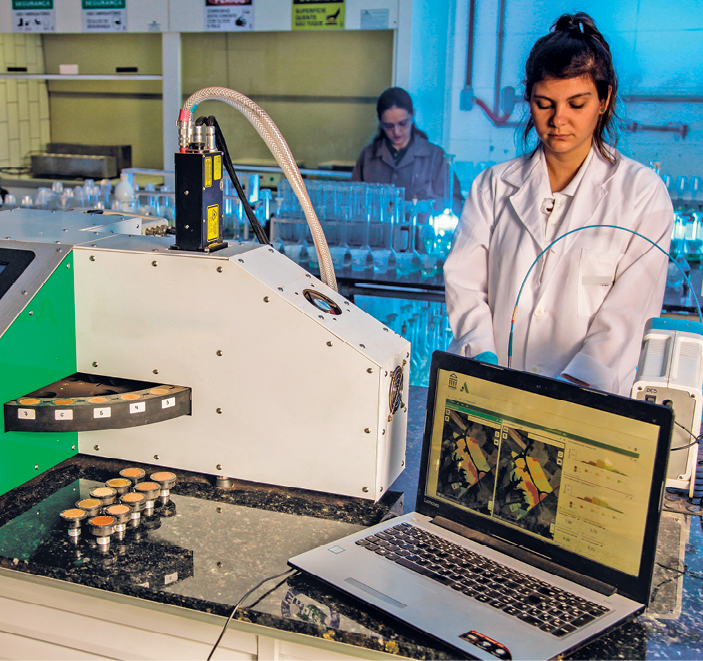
318	14
208	172
213	223
218	167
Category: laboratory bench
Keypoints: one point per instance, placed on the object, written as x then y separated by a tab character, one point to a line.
165	590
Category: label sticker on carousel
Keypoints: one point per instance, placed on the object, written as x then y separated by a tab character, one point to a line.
168	403
137	407
26	414
170	578
103	412
63	414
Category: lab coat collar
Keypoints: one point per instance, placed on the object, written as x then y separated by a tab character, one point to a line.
529	175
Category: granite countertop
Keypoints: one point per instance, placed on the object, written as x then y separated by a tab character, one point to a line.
207	547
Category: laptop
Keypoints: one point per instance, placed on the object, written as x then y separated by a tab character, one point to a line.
537	515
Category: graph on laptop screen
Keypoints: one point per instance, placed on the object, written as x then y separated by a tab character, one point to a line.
572	475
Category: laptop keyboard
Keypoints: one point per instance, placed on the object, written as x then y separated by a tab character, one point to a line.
525	597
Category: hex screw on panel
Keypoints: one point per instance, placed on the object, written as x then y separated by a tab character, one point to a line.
92	258
96	448
220	269
218	410
154	263
95	363
156	371
370	370
365	489
218	352
266	299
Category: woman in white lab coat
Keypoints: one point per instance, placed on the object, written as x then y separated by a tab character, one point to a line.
582	311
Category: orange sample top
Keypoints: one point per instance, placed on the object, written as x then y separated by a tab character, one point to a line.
73	513
118	482
133	497
147	486
102	521
162	476
117	510
89	503
132	472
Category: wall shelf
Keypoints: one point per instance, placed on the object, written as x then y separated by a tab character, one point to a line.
89	76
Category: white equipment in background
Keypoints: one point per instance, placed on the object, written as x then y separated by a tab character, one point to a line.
670	372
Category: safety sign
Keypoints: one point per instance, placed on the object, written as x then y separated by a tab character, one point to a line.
33	16
318	14
104	16
229	15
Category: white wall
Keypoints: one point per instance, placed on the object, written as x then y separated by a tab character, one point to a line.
657	51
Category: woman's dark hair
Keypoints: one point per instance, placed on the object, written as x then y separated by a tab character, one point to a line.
573	48
395	97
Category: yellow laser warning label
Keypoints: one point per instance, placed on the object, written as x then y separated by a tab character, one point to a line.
218	168
208	172
213	222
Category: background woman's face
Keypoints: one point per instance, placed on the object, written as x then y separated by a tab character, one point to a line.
397	125
565	112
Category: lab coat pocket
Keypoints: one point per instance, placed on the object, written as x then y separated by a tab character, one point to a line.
596	277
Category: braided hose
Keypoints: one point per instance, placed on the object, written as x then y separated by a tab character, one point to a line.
278	146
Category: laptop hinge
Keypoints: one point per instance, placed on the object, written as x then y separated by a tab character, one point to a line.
524	555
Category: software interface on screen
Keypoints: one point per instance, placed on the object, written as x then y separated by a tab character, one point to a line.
571	475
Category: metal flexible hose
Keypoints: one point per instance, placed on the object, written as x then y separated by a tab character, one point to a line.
278	146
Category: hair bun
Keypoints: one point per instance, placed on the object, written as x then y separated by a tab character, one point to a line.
579	23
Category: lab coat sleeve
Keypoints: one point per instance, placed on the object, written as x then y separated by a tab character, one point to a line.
611	347
466	275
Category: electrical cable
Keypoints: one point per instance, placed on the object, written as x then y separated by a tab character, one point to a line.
697	440
258	230
239	603
563	236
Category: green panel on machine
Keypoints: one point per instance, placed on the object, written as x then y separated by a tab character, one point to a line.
37	349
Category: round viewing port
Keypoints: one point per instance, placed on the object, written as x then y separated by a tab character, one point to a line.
321	302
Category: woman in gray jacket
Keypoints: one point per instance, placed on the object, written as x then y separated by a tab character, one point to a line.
401	154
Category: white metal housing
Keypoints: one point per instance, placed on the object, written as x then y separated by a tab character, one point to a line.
670	372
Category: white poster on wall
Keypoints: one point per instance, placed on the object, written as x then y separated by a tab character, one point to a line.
33	16
229	15
104	16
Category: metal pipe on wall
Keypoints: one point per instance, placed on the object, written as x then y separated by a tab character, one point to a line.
467	99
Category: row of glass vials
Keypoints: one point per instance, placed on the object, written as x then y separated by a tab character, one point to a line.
368	227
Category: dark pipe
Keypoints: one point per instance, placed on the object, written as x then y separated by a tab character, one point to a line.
470	48
662	99
681	129
499	57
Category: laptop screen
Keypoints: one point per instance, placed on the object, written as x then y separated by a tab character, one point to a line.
542	463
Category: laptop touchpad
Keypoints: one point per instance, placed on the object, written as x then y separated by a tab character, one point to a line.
390	587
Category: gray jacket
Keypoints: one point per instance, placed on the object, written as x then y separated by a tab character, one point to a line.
421	171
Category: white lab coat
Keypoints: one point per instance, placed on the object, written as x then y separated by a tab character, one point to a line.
584	306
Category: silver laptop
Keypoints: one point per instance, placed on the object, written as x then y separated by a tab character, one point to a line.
537	514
